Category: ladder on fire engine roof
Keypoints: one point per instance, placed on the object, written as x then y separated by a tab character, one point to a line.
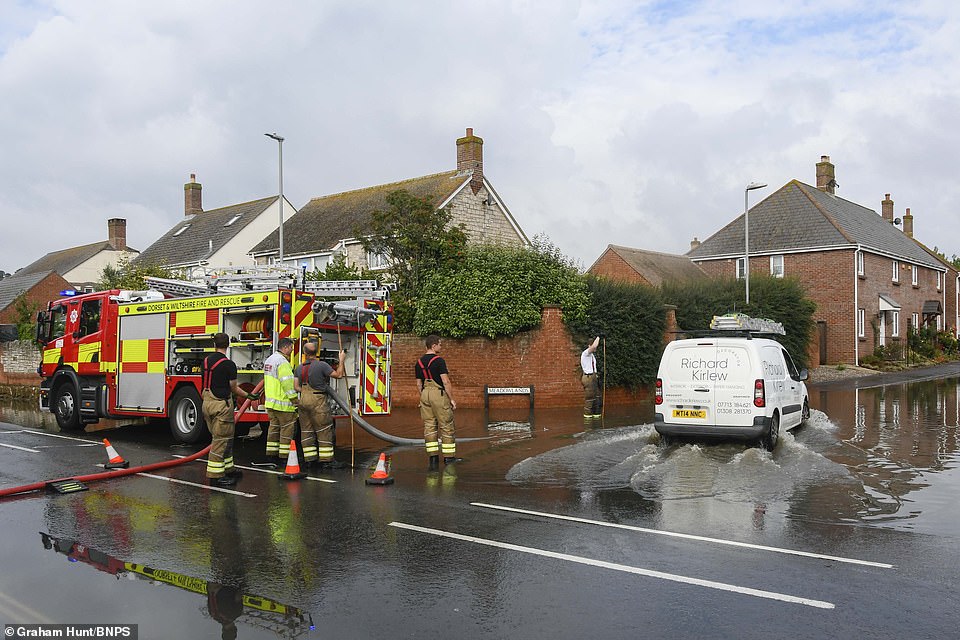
252	279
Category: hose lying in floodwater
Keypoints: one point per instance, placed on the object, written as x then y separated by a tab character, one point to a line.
376	432
119	473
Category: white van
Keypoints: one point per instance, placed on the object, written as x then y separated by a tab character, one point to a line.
734	386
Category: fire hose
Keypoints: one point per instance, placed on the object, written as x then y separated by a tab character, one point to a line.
119	473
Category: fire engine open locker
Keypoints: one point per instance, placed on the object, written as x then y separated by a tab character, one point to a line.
117	354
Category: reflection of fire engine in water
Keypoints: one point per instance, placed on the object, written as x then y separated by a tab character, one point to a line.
116	354
284	620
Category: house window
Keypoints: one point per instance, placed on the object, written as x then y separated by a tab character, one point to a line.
939	326
896	271
776	266
895	324
861	321
741	274
377	260
233	219
181	230
939	281
915	320
859	263
914	274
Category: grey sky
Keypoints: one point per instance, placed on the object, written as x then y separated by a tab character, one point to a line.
604	122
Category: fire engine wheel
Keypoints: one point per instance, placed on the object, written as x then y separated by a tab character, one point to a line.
66	407
186	416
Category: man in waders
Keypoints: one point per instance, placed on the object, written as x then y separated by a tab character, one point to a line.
219	387
436	404
312	380
280	400
588	362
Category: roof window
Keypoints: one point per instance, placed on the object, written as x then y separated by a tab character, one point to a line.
233	219
181	230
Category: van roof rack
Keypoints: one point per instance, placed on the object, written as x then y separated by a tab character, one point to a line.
743	322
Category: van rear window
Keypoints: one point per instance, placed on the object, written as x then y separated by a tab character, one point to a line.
709	364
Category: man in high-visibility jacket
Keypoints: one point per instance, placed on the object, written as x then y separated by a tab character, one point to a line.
280	400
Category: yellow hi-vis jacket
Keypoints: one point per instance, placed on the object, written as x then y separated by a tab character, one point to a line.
278	383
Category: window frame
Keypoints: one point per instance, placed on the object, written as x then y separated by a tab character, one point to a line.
915	275
895	277
740	270
860	271
773	272
894	324
861	323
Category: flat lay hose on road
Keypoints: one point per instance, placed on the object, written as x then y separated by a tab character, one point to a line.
119	473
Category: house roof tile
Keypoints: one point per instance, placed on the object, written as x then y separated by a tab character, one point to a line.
801	217
193	243
325	221
16	284
657	267
66	259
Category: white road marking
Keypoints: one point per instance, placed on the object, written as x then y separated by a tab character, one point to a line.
57	435
13	446
197	484
5	432
259	470
770	595
687	536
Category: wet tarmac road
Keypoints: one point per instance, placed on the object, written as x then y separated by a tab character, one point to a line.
848	529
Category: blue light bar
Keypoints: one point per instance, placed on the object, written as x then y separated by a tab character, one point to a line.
68	292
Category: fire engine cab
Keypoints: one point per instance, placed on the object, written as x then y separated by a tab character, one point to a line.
126	354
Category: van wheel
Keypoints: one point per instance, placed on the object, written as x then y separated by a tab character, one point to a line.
66	407
773	434
805	414
186	416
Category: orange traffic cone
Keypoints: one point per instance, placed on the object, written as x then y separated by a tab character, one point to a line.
114	461
380	475
292	472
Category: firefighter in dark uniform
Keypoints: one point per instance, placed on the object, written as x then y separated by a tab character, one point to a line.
219	387
312	380
436	404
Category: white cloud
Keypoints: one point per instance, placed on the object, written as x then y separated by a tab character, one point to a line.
605	122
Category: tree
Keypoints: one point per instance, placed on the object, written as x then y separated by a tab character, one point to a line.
131	276
417	239
25	316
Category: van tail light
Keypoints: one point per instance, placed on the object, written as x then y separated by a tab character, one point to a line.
759	395
658	399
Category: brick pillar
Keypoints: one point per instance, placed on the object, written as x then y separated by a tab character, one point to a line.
670	331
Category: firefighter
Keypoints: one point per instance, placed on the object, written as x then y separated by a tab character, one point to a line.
591	398
281	400
312	380
219	387
436	404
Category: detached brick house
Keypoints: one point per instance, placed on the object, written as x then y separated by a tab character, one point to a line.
219	237
39	288
81	266
869	279
324	227
650	268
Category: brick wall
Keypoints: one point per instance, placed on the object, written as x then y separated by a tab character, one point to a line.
612	266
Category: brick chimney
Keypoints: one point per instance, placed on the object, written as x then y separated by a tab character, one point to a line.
117	233
191	197
470	158
886	208
694	243
908	223
826	175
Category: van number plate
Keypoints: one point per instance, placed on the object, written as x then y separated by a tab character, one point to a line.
690	413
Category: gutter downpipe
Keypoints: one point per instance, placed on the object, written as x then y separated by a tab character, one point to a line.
856	307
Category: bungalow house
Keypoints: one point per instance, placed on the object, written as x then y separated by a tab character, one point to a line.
219	237
649	268
324	227
81	266
869	279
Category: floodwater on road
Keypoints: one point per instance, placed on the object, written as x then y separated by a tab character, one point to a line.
286	555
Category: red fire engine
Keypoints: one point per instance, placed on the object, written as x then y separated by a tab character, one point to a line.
121	354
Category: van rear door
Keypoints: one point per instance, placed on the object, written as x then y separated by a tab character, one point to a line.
688	377
735	376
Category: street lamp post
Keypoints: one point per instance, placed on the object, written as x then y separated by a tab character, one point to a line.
746	233
279	140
